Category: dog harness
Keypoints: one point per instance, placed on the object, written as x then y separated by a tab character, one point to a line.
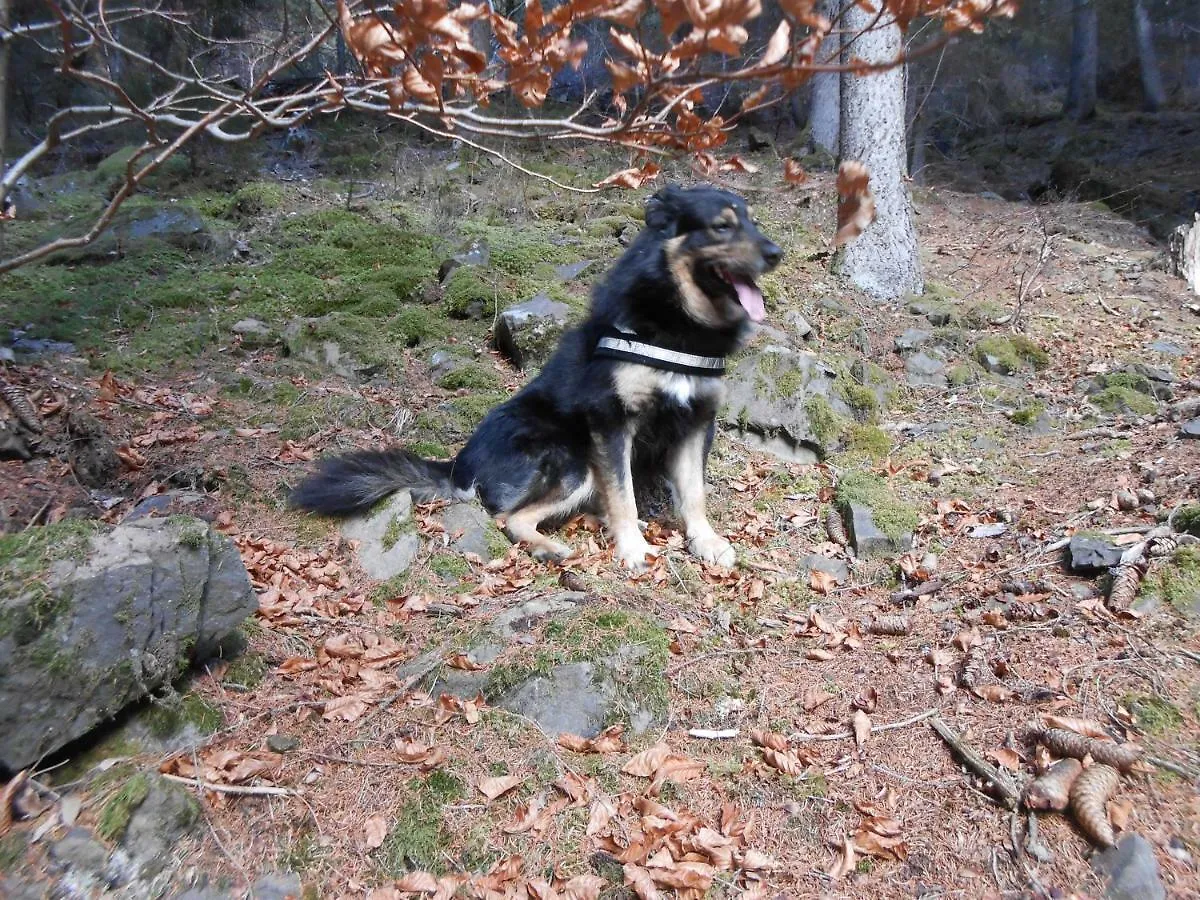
616	343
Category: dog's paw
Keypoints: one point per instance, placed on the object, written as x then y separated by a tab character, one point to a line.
551	551
712	548
632	554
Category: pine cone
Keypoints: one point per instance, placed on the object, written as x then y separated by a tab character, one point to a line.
1089	794
890	625
1161	547
1052	790
25	411
836	527
975	668
1123	591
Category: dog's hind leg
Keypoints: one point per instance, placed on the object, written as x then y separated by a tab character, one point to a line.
686	470
522	523
613	471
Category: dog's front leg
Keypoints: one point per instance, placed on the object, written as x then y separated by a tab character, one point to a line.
613	471
686	469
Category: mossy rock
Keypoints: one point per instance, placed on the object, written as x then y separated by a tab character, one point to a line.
254	200
1123	401
1009	355
1176	582
111	172
879	522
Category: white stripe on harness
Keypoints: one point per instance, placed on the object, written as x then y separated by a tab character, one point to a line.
662	355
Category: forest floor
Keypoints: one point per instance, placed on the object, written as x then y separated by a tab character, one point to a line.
998	468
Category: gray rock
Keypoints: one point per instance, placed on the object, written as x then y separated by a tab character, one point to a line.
277	886
475	253
1088	553
387	542
15	887
815	562
282	743
912	339
254	333
523	617
479	534
934	311
993	364
443	362
302	338
1162	381
159	822
135	229
111	619
924	370
79	852
1131	869
990	530
867	539
573	698
528	332
12	442
799	324
1190	429
769	401
1167	348
203	893
27	349
571	271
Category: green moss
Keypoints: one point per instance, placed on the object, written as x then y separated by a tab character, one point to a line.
790	383
248	670
891	515
982	314
826	424
167	717
25	559
1010	353
253	200
449	566
964	374
1153	715
469	290
303	853
1128	380
1187	519
12	851
470	376
396	529
420	838
470	410
869	441
1118	400
119	808
110	173
430	450
1027	413
859	398
1177	582
193	535
1030	351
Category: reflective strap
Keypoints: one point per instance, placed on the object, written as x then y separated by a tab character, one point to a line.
654	354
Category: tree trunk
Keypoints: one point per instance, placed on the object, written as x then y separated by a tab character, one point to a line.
1153	93
825	110
884	261
1085	57
5	44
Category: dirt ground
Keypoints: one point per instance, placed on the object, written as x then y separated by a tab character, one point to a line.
794	731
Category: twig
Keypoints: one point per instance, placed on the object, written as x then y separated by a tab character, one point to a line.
416	670
801	736
715	655
1181	770
241	790
1001	782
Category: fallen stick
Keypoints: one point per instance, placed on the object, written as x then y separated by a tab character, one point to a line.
802	736
1002	783
242	790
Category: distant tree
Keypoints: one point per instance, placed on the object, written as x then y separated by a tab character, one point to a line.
1085	59
885	260
1153	93
825	110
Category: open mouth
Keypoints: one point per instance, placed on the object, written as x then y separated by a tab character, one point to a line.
748	293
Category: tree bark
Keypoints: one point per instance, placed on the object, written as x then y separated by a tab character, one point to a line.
1085	57
1154	96
885	260
5	44
825	110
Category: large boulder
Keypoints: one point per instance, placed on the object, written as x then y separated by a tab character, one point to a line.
528	333
94	618
787	402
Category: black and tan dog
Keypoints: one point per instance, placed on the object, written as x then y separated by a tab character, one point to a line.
632	393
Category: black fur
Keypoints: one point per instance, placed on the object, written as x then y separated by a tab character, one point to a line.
543	441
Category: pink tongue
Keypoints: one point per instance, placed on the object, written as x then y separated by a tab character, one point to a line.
751	299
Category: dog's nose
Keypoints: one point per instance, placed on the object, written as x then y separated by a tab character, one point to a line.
772	253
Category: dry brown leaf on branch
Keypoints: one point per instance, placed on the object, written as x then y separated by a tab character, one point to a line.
375	830
856	203
861	723
778	46
500	785
633	178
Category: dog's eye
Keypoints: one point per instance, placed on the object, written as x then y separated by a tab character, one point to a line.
722	227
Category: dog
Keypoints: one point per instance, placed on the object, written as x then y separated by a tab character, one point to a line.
630	394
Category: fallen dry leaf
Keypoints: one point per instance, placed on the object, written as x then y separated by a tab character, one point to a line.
646	763
861	723
1006	757
845	863
500	785
375	830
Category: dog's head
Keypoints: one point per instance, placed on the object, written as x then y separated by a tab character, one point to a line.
714	253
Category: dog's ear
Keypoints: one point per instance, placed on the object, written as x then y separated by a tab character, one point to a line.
662	211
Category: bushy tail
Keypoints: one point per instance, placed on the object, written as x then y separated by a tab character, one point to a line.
345	485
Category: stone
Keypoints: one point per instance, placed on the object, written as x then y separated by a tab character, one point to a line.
815	562
527	334
571	271
475	253
993	364
277	886
800	325
912	339
1131	869
282	743
107	619
1161	381
79	852
302	339
1167	348
786	402
1089	553
572	698
924	370
387	541
472	530
756	140
990	530
934	311
443	362
157	824
136	228
254	333
1190	429
867	539
203	893
28	349
93	453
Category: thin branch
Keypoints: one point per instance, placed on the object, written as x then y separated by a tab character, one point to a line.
1004	785
804	737
237	789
